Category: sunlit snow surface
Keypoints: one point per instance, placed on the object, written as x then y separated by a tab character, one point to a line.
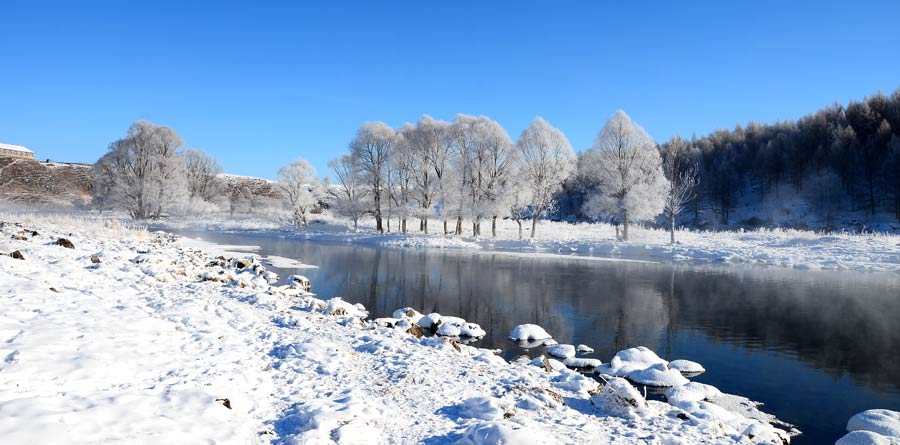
145	346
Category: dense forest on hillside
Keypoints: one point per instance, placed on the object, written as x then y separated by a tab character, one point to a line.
838	159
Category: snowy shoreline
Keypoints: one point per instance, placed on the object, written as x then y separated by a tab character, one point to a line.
292	368
597	241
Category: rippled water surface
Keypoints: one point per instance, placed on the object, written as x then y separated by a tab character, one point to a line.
815	346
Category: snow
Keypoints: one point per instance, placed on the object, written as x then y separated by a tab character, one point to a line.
880	421
658	375
288	263
562	351
866	438
691	392
597	241
584	349
528	332
687	366
14	147
153	352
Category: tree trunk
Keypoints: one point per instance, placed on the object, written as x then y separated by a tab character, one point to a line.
494	227
379	227
445	227
519	222
672	227
458	230
625	226
403	225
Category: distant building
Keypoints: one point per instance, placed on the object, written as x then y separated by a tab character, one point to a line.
15	151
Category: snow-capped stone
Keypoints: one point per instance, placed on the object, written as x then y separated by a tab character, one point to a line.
619	398
429	321
582	362
562	351
881	421
448	330
584	349
472	330
270	276
657	375
543	362
549	342
691	392
528	332
866	438
408	312
687	366
762	433
630	360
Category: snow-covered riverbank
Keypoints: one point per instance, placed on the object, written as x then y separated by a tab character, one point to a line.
130	337
778	247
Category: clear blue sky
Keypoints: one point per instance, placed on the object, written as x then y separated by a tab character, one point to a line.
260	83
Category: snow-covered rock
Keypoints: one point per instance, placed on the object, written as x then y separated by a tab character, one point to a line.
584	349
582	362
657	375
429	321
561	351
528	332
691	392
448	330
881	421
686	366
860	437
619	398
408	312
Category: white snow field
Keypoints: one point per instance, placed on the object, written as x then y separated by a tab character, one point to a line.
772	247
128	337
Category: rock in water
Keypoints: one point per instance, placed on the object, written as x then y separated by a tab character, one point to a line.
65	243
528	332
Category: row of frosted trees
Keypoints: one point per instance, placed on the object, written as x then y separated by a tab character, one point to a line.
471	171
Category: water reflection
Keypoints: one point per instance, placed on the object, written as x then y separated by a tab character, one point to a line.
815	346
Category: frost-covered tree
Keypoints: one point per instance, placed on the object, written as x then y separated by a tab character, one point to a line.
484	159
299	187
824	194
547	160
371	148
892	172
625	169
519	201
682	172
405	161
143	173
202	175
348	195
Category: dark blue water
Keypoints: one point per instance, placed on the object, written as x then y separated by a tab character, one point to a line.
815	347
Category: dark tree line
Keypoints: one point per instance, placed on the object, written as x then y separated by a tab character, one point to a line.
839	159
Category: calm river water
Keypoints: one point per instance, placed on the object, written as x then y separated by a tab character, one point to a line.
815	347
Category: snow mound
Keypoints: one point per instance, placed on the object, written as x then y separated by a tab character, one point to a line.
882	421
619	398
483	408
502	432
860	437
429	321
562	351
687	366
630	360
582	362
528	332
658	375
691	392
584	349
408	312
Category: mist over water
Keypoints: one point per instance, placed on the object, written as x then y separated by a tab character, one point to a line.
815	347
